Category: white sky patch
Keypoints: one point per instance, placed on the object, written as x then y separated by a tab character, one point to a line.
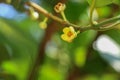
7	11
109	50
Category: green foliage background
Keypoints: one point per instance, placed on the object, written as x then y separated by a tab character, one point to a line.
21	38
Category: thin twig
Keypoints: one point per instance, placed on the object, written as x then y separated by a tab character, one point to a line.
101	26
91	11
109	27
49	15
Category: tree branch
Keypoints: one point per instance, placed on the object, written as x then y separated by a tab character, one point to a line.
99	27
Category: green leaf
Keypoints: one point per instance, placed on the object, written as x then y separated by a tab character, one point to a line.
74	10
17	70
104	12
114	34
100	3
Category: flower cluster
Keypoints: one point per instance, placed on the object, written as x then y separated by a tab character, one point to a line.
69	32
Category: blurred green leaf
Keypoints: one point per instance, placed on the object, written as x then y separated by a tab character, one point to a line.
49	72
14	38
74	10
84	39
114	34
10	67
100	3
91	77
104	12
95	64
13	68
22	40
109	77
80	56
4	52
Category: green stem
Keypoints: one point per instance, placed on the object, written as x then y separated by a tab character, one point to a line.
45	20
91	12
63	15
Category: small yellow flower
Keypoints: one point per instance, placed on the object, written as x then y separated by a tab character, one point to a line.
69	34
59	7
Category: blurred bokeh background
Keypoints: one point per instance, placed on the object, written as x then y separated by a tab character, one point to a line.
25	47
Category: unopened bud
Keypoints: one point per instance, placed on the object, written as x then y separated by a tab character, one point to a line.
59	7
43	25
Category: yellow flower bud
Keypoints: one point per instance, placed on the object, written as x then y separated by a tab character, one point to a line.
43	25
59	7
34	15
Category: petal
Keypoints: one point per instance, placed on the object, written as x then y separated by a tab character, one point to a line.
72	29
66	29
64	37
69	40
